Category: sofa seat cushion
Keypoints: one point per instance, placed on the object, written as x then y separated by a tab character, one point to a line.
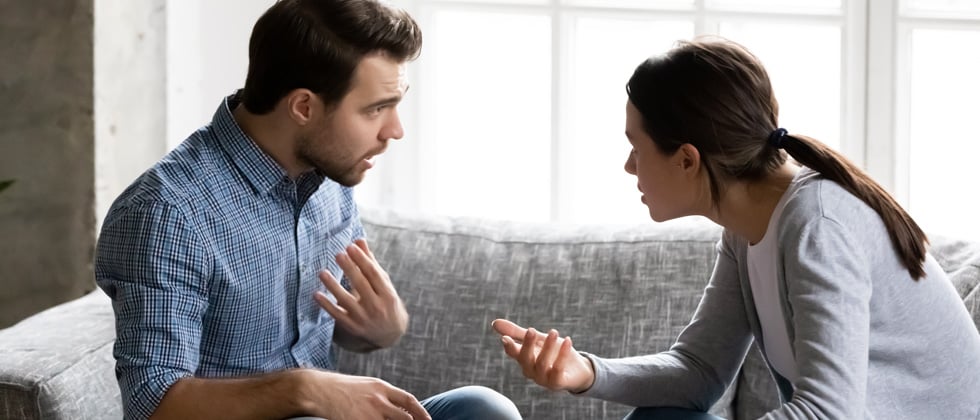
59	363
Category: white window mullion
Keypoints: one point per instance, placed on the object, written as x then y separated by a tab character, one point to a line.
559	45
901	140
702	24
854	65
881	153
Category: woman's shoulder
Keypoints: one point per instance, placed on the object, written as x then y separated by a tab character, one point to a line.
815	199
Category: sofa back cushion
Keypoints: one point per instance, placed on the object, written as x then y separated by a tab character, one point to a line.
617	291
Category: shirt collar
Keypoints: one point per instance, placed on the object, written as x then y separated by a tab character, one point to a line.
259	168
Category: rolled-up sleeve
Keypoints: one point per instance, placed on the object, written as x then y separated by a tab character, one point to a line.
155	268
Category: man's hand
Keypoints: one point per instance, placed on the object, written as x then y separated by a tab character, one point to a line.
546	359
286	394
372	310
343	397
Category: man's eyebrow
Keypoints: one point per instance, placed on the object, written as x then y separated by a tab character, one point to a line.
391	100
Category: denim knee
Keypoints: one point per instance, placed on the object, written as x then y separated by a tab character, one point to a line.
471	403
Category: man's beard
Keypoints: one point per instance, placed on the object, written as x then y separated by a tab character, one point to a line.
329	163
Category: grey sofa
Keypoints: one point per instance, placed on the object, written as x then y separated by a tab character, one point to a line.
617	289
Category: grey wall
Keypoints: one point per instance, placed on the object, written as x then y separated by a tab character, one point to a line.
82	113
47	221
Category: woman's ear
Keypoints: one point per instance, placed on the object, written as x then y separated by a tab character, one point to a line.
688	158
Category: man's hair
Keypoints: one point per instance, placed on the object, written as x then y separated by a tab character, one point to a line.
317	44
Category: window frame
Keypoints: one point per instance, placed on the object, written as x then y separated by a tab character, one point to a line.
409	158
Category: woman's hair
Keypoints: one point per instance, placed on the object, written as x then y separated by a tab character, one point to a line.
716	95
317	44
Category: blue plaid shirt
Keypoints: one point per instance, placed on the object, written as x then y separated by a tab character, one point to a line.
211	261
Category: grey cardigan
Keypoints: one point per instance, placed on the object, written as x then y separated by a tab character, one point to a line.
869	341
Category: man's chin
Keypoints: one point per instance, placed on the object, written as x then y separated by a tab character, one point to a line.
349	179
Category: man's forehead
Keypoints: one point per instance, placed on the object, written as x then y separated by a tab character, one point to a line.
403	77
380	70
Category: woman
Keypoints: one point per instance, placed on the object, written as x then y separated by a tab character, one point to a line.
817	264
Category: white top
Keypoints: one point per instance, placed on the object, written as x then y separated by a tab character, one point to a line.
763	263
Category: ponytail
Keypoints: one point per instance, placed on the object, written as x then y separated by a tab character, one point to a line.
907	238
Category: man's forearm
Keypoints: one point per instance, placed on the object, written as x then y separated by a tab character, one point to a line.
273	395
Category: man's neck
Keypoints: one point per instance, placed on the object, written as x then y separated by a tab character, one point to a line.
271	136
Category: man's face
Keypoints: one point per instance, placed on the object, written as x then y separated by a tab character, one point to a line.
342	141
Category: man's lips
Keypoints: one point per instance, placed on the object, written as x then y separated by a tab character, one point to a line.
370	157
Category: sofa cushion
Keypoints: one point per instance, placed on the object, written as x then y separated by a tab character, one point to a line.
961	260
617	291
70	377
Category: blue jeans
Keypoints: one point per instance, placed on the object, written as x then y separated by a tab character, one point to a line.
471	402
466	403
669	414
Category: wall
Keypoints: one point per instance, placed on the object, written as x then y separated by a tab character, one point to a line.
47	222
130	93
83	94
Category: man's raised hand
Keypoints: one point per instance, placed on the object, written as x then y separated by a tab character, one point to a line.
372	310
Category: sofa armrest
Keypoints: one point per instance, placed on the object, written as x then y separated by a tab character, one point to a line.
58	364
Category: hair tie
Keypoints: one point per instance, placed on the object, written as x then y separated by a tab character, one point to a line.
776	137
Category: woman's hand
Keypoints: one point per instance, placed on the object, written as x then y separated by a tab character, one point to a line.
547	359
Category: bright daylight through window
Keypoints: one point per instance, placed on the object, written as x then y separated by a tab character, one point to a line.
517	106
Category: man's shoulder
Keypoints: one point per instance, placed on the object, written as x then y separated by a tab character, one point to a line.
182	174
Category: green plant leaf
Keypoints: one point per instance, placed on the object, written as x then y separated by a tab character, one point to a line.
6	183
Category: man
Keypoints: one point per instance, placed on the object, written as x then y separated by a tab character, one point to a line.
222	260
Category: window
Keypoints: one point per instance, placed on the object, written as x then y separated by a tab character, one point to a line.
519	105
938	61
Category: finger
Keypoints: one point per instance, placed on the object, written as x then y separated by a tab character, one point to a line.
357	280
345	300
546	358
394	412
409	404
566	355
362	243
511	347
508	329
527	356
375	276
339	314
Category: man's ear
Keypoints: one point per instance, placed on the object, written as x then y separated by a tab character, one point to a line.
300	104
688	158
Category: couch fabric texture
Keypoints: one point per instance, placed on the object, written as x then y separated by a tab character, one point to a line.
618	290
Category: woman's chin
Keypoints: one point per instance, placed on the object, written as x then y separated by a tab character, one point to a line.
660	218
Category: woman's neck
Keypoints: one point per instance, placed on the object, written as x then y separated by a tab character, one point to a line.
746	207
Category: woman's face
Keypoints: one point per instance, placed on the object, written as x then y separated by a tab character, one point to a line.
663	179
